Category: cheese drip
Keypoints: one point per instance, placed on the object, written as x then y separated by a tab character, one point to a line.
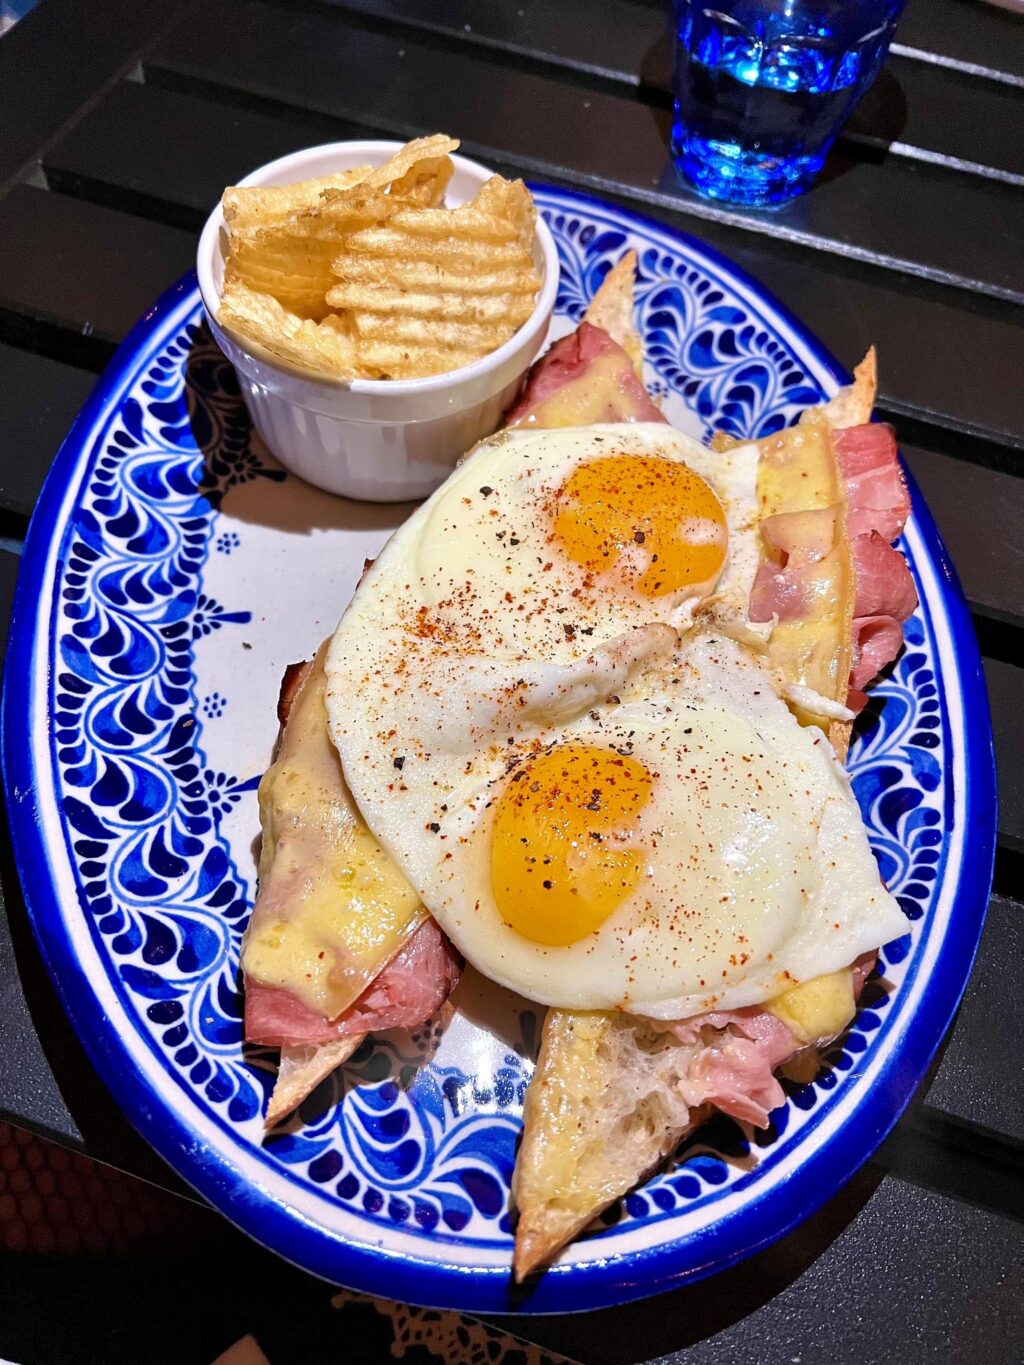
817	1009
798	473
332	907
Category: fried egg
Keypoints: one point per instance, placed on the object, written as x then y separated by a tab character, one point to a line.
647	828
544	544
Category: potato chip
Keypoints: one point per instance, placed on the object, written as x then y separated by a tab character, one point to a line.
613	310
495	216
395	360
251	207
324	348
426	183
366	274
291	259
429	277
282	238
419	162
510	200
392	244
475	338
366	297
393	281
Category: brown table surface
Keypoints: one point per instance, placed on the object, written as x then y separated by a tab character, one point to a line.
120	123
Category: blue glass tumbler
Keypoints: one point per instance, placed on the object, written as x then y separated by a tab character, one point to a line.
762	88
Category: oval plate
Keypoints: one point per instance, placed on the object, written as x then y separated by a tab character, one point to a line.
172	570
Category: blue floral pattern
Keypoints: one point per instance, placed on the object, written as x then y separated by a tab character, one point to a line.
699	336
401	1139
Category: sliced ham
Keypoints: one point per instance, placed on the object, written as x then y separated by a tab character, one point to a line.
876	642
803	535
876	493
779	591
583	378
884	584
886	596
878	505
292	679
737	1052
862	969
411	988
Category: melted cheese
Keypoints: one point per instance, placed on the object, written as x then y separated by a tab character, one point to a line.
798	473
332	907
818	1009
581	401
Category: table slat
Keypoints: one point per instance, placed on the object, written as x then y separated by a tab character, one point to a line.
168	156
89	270
978	513
915	106
915	1276
28	1092
974	37
39	399
979	1079
59	57
938	224
122	151
1006	698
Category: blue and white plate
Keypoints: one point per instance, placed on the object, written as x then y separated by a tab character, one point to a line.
172	571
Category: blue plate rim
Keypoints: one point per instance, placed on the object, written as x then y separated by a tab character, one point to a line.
606	1282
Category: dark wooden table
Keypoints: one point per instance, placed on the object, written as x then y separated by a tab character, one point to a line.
120	122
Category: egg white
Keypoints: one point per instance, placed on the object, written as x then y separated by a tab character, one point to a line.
758	872
478	559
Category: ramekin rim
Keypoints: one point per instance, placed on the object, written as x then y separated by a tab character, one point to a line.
394	388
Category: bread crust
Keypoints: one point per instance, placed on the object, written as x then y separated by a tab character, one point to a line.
602	1113
852	406
588	1137
612	309
301	1070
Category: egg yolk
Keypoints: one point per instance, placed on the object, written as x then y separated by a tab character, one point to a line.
561	855
654	521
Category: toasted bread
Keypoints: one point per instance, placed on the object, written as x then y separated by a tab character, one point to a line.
851	406
301	1071
307	813
604	1108
854	404
612	309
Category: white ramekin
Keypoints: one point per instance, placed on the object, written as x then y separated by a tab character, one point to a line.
378	440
